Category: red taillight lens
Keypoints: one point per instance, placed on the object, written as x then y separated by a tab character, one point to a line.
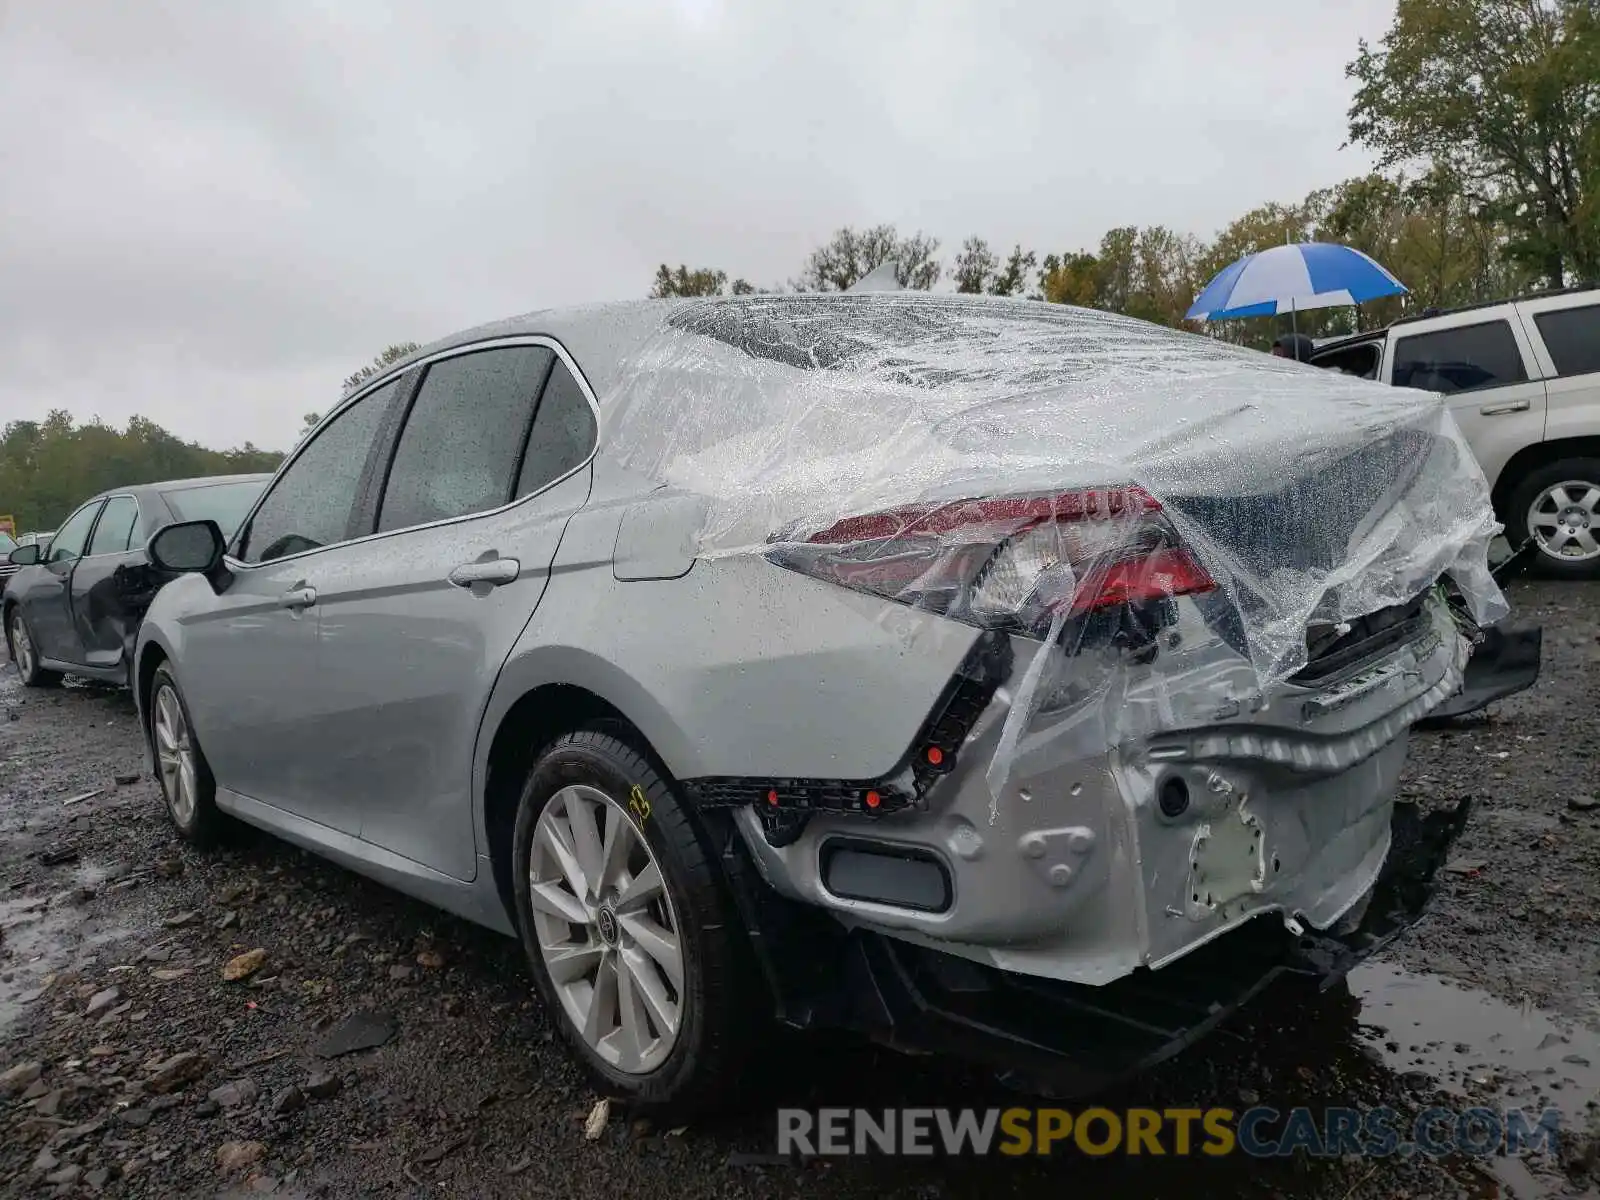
1016	562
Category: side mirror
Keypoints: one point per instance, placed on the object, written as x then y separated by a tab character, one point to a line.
187	547
24	556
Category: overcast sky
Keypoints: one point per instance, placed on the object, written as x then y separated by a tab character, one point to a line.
210	212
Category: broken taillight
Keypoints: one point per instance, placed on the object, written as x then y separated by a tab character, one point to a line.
1011	562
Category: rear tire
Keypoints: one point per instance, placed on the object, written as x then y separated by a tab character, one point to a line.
187	786
645	973
1558	507
25	652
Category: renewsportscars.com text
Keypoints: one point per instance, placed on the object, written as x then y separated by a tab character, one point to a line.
1259	1132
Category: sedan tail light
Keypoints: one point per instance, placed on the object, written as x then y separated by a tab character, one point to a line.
1018	563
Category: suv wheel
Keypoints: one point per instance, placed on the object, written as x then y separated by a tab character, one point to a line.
1558	506
187	785
25	652
626	927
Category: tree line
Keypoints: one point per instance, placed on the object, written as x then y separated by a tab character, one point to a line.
1484	117
49	467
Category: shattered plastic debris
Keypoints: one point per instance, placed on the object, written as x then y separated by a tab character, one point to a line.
1030	468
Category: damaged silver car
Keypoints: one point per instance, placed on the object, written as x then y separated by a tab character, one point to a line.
991	677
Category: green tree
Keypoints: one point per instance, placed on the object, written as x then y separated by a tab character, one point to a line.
385	360
48	468
1012	278
851	254
705	281
977	269
1070	279
1503	95
1448	249
974	267
1146	273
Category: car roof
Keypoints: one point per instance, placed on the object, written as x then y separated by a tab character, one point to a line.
1576	291
599	336
1339	343
162	485
602	338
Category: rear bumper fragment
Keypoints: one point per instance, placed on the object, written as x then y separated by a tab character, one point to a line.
1503	663
1062	1038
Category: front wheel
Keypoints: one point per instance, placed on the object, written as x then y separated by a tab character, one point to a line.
187	786
1558	508
627	928
25	653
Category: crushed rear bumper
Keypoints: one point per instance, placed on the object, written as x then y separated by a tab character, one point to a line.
1062	1038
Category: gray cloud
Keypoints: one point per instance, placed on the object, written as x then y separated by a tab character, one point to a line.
212	213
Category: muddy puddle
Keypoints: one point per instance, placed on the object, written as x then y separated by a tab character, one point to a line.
44	935
1473	1044
1482	1052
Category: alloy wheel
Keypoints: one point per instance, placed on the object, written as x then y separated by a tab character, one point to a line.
607	929
175	755
1565	520
21	646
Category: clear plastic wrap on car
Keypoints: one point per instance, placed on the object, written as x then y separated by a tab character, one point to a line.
1066	476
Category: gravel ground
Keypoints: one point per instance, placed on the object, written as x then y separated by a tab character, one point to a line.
157	1077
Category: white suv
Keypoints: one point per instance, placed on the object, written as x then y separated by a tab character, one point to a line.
1523	380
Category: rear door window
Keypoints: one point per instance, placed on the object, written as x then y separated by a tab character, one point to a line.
1462	359
1572	335
458	452
563	433
115	529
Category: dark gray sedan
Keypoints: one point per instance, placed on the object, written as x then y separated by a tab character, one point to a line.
74	604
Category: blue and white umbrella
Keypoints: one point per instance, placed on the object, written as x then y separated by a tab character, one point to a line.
1290	279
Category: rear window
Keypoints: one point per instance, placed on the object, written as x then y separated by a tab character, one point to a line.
1361	360
225	503
1462	359
1572	335
6	544
936	341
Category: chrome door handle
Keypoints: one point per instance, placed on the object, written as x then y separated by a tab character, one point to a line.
298	597
491	573
1506	406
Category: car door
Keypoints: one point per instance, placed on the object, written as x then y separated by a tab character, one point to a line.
248	661
99	620
47	601
1484	367
490	464
1566	342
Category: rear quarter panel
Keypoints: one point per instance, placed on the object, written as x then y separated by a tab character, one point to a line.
736	668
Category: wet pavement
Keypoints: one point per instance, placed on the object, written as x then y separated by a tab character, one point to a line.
110	961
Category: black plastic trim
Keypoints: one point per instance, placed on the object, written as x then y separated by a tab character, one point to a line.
833	846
